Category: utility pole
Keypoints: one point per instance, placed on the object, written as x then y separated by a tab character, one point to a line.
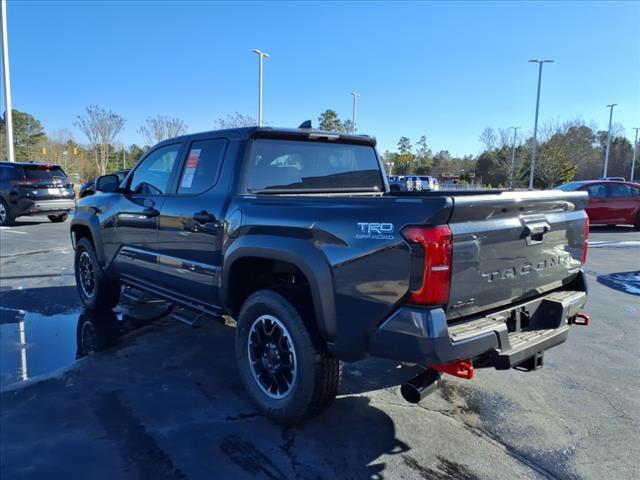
513	157
606	153
353	114
261	55
124	162
635	153
8	115
535	125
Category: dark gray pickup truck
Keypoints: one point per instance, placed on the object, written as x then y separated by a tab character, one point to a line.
295	234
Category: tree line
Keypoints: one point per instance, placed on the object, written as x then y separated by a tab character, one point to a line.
570	150
99	152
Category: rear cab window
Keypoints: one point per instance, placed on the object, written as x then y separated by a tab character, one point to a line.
291	166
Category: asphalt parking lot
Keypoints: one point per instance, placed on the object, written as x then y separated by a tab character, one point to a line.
165	401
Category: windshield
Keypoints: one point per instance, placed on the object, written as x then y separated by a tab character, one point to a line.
309	166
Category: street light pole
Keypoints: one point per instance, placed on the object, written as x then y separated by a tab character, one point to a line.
513	157
261	55
8	116
606	153
635	153
535	125
353	114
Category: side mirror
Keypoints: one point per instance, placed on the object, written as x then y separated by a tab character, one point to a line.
107	183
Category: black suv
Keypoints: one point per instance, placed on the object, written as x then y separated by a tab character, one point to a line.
34	189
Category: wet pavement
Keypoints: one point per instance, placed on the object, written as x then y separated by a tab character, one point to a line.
153	398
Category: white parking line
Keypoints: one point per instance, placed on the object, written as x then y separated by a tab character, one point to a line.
8	230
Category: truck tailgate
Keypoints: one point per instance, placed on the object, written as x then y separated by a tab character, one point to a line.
512	246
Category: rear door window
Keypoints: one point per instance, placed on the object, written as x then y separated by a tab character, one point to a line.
201	168
617	190
310	166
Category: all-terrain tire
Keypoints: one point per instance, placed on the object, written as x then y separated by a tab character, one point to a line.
317	372
97	291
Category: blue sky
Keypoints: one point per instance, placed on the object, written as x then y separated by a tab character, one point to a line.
445	70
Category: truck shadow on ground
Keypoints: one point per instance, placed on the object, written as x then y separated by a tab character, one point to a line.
165	401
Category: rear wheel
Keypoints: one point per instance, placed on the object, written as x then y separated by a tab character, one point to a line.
6	216
637	223
58	218
288	374
96	289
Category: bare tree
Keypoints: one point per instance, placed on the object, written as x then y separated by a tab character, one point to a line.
237	120
159	128
100	127
509	164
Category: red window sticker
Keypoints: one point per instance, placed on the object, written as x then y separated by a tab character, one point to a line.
190	168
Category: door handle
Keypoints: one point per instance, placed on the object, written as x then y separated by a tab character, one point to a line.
150	212
204	217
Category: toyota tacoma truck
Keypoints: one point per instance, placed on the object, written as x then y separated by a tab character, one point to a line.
295	234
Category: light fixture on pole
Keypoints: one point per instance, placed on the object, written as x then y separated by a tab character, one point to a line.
353	113
606	153
534	148
635	154
513	156
261	55
8	117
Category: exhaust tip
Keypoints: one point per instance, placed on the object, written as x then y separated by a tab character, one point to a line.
410	393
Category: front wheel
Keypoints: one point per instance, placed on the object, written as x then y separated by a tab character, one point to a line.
97	291
288	374
58	218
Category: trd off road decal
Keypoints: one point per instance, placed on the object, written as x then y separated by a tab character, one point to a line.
374	231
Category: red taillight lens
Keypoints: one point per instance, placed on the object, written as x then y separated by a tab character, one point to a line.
585	246
437	244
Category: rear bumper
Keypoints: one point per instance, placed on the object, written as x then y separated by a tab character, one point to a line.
505	338
36	207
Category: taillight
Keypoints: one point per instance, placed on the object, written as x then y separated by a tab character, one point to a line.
585	246
437	245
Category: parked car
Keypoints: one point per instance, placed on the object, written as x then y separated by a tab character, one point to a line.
34	189
295	235
89	188
610	202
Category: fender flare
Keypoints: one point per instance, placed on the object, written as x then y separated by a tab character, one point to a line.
90	221
307	258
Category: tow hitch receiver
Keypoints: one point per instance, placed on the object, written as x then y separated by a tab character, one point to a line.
581	319
459	369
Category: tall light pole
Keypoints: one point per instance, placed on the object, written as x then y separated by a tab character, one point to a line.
8	116
606	153
535	125
353	114
261	55
513	156
635	153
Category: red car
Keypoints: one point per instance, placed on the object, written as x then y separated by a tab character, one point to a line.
610	202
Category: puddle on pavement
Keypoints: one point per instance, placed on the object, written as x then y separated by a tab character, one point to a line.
33	344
